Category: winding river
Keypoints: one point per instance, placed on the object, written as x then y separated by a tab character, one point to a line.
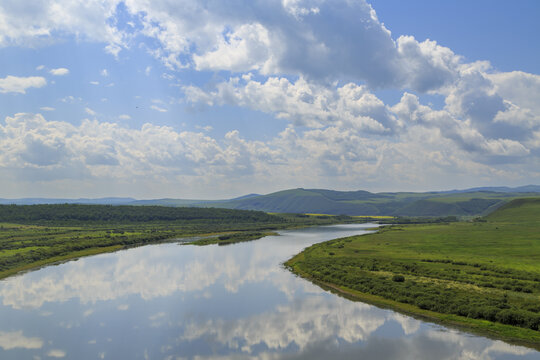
231	302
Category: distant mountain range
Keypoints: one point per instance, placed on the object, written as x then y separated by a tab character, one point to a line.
468	202
101	201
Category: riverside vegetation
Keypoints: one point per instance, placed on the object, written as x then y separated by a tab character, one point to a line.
35	235
482	274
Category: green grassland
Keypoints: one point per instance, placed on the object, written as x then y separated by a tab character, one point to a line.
482	274
35	235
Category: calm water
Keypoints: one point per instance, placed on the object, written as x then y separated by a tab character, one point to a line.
233	302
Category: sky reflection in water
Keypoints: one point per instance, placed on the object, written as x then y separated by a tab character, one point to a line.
234	302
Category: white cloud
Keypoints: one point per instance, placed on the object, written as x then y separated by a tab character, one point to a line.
59	71
104	73
425	66
157	108
70	99
16	339
520	117
56	353
124	117
245	49
89	111
47	108
94	82
14	84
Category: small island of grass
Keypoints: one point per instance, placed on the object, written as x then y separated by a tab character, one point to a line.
231	238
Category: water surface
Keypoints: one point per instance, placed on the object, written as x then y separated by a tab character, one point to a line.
231	302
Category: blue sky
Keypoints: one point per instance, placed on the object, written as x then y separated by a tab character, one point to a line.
204	99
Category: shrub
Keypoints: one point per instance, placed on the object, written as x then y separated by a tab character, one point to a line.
398	278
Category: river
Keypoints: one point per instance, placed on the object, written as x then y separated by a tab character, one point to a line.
169	301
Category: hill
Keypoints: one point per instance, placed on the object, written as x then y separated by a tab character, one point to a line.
461	203
517	211
357	203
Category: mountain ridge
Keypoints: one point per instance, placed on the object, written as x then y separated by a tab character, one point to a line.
466	202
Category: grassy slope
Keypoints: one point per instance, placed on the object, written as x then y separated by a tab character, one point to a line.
365	203
459	273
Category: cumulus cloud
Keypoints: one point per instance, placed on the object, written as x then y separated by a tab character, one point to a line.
30	142
15	84
518	87
303	103
59	71
246	48
432	142
475	118
322	40
464	132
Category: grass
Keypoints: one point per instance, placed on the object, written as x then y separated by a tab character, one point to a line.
483	274
231	238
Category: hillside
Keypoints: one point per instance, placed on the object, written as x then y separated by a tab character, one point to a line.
468	202
356	203
517	211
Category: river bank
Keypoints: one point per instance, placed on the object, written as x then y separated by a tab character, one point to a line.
483	274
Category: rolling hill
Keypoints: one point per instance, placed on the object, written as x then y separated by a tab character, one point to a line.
365	203
468	202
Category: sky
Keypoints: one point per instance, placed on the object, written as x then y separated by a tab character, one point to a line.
216	99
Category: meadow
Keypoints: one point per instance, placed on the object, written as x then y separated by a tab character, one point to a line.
483	274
